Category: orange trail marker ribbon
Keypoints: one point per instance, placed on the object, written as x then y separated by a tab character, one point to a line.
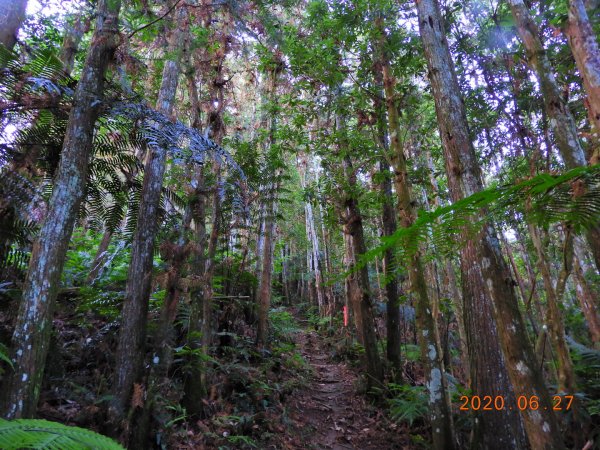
345	316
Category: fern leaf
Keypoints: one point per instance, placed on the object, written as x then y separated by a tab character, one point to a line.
43	434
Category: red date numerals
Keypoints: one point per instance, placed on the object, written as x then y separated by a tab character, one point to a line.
497	403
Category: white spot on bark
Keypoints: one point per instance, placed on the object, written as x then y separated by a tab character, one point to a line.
435	386
546	427
19	352
432	352
522	368
24	377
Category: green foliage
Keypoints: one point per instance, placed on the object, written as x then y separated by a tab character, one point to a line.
42	434
283	324
572	197
409	403
106	304
4	352
240	441
412	352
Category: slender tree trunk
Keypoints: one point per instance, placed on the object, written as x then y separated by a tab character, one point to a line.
561	120
72	40
439	403
194	386
100	258
587	57
34	322
554	320
388	220
132	337
392	288
587	301
449	277
209	270
176	253
12	15
487	285
266	276
358	280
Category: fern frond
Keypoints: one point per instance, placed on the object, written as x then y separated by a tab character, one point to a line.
43	434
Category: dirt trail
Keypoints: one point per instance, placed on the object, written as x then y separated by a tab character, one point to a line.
329	414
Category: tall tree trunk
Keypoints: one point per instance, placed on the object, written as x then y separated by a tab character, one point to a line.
194	386
447	270
358	280
388	220
584	47
488	292
34	322
264	300
561	120
12	15
585	50
132	337
391	288
314	253
270	221
439	403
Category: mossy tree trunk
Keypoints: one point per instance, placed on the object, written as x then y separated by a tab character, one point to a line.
32	331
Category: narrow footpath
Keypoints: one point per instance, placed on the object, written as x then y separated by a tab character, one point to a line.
330	414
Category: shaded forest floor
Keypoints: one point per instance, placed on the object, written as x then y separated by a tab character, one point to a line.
305	392
329	413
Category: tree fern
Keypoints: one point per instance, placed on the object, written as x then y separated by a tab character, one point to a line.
42	434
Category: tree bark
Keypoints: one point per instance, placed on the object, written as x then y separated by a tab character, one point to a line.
561	120
554	320
268	244
358	281
585	50
12	15
71	41
132	337
34	322
584	47
439	403
587	301
264	304
490	304
391	288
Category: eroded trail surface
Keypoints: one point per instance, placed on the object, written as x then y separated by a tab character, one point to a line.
330	414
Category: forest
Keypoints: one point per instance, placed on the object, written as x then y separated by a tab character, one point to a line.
300	224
